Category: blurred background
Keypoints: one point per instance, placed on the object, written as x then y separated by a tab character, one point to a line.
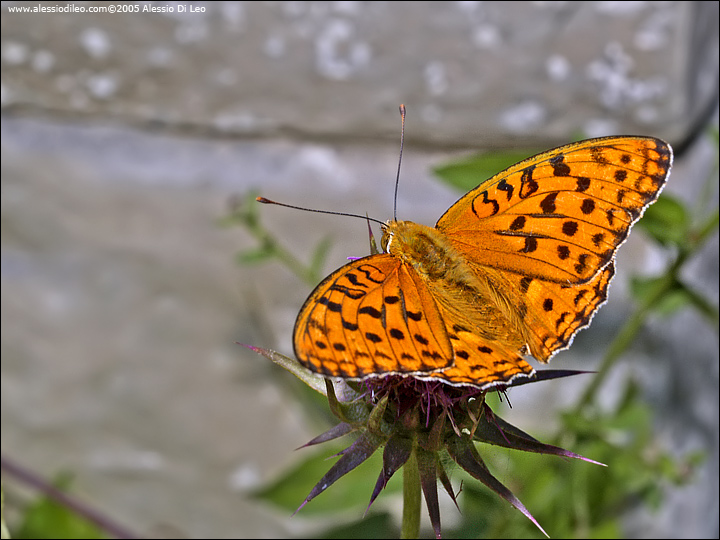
127	137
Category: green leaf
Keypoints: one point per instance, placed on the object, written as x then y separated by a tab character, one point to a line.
46	518
645	289
667	221
378	525
470	172
255	255
672	299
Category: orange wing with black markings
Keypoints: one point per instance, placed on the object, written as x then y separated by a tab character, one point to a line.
555	221
371	317
518	265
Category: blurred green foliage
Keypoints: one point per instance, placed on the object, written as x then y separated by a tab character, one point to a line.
245	212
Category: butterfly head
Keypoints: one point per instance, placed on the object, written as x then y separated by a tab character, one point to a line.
421	246
395	235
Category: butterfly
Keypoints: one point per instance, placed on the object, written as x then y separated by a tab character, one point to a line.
515	267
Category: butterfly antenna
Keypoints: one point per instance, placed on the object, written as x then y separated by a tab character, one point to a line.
402	140
268	201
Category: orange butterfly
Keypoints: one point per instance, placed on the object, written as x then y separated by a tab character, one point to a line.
517	266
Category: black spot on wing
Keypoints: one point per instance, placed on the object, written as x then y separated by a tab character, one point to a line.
332	306
569	228
518	223
396	333
560	168
347	325
581	266
507	188
486	200
530	245
355	294
434	354
366	269
583	183
610	214
528	185
369	310
352	278
548	203
597	156
587	206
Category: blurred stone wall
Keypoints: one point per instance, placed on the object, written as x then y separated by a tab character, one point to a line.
125	135
472	72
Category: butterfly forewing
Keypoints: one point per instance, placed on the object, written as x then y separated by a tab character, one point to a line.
560	216
371	317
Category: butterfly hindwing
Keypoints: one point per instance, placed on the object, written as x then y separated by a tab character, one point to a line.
479	362
555	313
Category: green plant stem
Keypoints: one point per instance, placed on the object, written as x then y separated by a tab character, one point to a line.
287	258
411	498
615	350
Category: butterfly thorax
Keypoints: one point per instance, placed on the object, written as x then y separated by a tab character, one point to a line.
426	249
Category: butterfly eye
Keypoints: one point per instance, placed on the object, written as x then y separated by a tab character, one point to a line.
389	237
